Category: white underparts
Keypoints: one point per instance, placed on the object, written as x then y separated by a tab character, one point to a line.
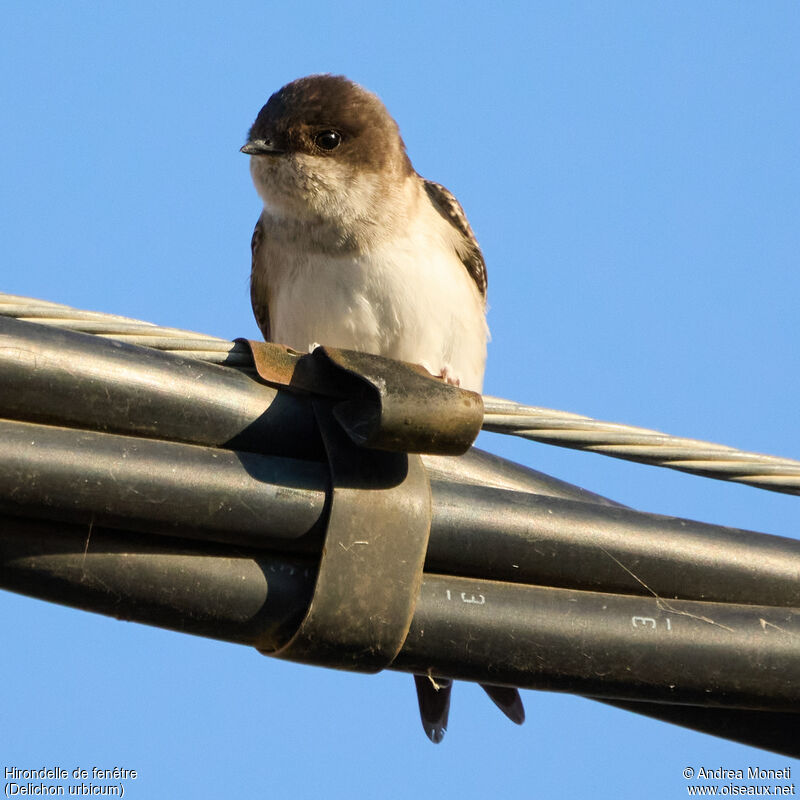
378	272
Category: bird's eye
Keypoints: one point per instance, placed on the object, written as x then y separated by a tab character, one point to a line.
328	140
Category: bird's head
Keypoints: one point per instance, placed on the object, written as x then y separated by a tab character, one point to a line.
323	146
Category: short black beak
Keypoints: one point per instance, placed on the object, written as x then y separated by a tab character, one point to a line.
260	147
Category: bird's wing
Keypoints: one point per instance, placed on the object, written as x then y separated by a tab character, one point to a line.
469	252
259	290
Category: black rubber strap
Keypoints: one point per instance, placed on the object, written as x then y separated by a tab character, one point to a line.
371	568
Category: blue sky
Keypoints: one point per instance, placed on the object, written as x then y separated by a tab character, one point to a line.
631	170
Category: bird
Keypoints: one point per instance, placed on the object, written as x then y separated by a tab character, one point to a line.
354	249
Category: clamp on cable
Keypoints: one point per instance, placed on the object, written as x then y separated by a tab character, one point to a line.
381	404
373	415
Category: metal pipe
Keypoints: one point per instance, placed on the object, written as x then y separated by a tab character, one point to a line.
551	541
270	502
226	593
777	731
58	377
547	585
604	645
155	486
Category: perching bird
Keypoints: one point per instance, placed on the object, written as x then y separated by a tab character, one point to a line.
355	250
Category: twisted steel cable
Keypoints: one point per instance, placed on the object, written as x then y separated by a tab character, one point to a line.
641	444
133	331
544	425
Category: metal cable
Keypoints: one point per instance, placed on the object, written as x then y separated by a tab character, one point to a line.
501	416
133	331
641	444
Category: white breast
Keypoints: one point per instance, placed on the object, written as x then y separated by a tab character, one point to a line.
407	297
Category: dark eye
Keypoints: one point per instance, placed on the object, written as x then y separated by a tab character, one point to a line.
328	140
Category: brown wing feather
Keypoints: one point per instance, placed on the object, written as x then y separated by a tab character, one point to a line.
469	253
259	291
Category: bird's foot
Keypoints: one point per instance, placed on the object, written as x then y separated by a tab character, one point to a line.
445	374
